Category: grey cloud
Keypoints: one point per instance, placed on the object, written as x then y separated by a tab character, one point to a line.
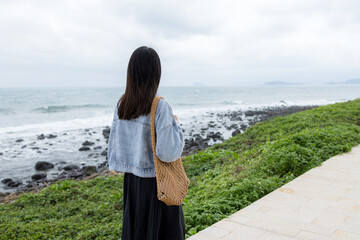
69	42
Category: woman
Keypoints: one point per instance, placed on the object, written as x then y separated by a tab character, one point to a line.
130	151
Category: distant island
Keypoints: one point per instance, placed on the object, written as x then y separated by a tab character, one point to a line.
350	81
281	83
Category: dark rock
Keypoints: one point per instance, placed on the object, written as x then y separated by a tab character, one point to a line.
19	140
87	143
103	153
84	149
29	185
24	146
237	118
35	148
6	181
98	147
1	153
51	136
75	175
88	170
71	167
38	151
41	137
243	127
43	165
237	131
38	176
15	184
214	136
106	133
11	183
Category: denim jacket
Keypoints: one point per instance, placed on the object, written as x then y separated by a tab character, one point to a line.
130	149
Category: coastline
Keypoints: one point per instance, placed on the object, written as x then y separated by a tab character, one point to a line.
204	133
224	178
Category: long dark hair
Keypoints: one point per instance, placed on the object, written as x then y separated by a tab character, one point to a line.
142	82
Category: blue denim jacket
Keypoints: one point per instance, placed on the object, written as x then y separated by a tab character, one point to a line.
130	148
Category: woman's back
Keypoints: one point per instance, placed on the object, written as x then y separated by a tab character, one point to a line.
130	148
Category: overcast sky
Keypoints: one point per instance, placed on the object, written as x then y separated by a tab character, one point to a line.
89	42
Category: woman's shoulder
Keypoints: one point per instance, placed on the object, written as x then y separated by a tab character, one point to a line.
163	107
163	102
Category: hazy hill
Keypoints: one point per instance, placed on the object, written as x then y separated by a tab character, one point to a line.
350	81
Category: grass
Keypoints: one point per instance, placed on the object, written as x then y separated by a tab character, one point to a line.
224	178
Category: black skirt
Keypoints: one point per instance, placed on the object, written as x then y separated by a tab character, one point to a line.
147	218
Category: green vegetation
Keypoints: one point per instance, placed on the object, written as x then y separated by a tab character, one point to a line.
224	178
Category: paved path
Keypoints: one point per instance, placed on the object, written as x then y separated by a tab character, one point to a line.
323	203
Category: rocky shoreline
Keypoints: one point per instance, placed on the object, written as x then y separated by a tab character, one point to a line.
197	138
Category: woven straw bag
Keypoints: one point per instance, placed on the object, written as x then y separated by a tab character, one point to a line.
171	179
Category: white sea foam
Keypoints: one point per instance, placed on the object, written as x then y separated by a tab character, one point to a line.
105	120
53	127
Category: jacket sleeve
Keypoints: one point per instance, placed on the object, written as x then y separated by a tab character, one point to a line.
169	136
111	142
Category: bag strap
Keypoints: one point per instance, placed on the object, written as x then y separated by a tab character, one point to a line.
152	118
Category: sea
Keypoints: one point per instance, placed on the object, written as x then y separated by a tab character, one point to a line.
75	115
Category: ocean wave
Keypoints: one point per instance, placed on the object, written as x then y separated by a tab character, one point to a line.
230	102
64	108
6	111
55	127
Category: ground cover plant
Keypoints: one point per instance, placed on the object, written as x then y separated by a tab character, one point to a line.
224	178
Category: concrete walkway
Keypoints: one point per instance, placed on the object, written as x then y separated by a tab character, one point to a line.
323	203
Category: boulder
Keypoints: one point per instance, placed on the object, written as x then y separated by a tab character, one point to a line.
51	136
71	167
84	149
43	165
87	143
38	176
41	137
19	140
75	175
249	113
106	133
88	170
6	181
236	132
